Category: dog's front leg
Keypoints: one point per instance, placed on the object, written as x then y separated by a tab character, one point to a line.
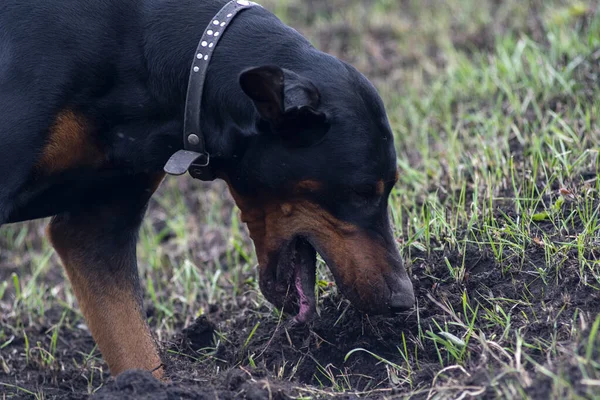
97	247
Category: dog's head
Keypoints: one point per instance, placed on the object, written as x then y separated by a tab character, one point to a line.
316	177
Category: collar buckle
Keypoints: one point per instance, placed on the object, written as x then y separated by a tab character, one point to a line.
199	168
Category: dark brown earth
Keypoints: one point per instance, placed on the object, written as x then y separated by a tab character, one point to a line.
311	353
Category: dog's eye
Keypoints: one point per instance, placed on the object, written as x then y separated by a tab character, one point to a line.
364	192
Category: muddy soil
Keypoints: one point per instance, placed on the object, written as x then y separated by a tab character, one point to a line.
290	362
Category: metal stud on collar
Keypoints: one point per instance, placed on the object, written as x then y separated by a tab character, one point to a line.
194	158
193	139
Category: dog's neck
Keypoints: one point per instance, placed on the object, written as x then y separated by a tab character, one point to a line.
255	38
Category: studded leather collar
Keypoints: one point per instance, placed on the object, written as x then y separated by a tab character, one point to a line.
194	157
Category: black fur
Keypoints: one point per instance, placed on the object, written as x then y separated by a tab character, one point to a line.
275	111
124	66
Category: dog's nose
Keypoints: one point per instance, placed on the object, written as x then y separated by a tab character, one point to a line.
404	298
401	302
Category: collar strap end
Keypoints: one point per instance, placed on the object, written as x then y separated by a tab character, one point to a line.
185	160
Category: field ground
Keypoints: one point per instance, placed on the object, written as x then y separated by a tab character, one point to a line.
496	110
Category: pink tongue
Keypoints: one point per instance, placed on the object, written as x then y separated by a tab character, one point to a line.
307	307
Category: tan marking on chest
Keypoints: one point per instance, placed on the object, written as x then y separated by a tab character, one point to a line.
69	145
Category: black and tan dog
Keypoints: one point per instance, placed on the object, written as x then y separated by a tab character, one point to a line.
92	100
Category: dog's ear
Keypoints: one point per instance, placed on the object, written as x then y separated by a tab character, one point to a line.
288	102
265	87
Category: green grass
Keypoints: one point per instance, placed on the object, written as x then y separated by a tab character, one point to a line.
496	110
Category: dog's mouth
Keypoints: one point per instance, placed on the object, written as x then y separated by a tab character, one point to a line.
295	279
367	267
